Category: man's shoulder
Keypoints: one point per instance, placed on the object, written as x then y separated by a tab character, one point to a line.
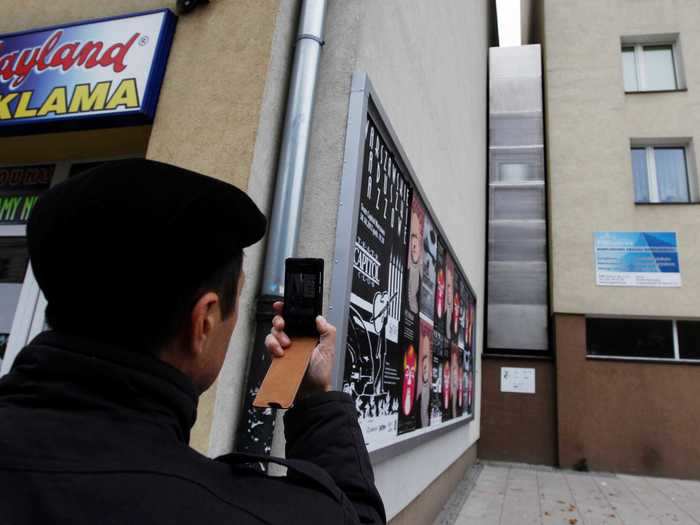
143	493
169	478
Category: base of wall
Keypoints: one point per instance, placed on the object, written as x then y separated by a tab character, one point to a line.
429	503
624	416
519	428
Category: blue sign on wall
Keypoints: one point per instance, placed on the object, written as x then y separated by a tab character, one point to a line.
637	259
91	74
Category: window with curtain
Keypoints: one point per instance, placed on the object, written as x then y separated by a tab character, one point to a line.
639	169
650	67
629	68
660	174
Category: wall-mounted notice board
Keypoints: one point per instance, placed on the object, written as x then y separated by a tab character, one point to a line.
404	307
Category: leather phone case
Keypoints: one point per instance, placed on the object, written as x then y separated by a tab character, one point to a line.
283	378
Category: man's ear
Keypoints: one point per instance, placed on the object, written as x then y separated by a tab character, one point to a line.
205	314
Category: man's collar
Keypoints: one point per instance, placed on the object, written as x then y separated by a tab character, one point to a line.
107	377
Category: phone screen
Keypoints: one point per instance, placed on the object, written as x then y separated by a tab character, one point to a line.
303	295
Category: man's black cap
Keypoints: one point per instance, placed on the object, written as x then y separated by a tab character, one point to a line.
114	247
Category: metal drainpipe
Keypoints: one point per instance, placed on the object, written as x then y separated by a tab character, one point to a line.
254	433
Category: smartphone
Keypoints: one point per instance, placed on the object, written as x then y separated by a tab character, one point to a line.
303	296
303	301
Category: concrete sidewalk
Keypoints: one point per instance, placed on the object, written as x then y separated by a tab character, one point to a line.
503	494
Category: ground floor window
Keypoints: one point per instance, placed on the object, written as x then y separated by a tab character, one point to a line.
643	338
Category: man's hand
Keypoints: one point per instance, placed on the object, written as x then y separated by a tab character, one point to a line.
319	374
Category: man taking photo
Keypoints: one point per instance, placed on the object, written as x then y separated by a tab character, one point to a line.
141	265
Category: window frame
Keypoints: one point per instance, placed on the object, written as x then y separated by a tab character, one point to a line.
676	347
28	319
651	173
637	45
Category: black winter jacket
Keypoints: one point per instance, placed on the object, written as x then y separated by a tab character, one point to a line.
91	434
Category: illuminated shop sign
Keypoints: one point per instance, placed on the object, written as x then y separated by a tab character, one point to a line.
97	73
20	187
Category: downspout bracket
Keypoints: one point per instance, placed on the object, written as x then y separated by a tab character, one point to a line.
309	36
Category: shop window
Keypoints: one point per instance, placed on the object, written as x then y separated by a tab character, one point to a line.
19	291
14	259
651	64
634	338
688	339
660	174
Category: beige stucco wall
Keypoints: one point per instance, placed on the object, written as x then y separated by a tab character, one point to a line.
590	121
209	109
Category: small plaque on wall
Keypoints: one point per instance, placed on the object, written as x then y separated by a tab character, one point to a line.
518	380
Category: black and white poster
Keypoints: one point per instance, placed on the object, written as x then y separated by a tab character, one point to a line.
374	361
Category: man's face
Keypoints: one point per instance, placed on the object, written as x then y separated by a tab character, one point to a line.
217	343
416	242
449	287
415	248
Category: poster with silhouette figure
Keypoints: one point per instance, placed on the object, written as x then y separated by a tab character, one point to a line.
374	361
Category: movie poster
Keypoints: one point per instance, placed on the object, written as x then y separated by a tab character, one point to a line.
463	306
470	352
469	332
430	241
437	402
461	383
446	383
440	304
408	389
449	296
425	377
455	378
467	382
414	383
374	362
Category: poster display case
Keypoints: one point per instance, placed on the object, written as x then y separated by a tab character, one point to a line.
404	307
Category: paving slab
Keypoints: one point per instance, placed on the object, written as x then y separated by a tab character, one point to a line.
518	504
628	507
485	502
684	497
513	494
557	503
666	510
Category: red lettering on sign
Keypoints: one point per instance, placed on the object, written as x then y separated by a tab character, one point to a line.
17	65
